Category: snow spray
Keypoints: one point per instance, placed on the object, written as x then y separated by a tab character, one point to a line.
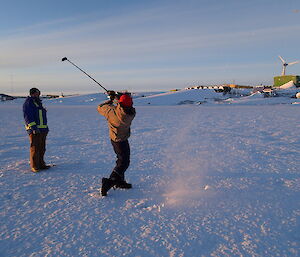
186	163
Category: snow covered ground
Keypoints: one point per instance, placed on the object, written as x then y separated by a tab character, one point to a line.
216	179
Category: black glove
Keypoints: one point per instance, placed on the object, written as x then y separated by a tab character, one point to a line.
111	94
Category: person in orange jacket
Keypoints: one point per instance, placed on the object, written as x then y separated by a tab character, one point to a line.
119	118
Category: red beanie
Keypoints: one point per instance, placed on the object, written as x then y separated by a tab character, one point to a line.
126	100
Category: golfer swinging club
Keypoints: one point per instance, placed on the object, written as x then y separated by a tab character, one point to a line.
119	118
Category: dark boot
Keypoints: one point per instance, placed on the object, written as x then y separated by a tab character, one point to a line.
107	184
123	184
119	180
45	167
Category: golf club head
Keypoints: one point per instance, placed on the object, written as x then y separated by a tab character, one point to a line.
64	59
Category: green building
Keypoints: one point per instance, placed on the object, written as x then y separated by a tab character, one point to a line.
280	80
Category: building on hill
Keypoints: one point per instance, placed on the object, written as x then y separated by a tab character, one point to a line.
281	80
4	97
239	86
50	96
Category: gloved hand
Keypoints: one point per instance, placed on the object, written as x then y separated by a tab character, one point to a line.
111	95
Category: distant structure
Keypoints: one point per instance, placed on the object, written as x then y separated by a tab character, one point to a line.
214	87
283	79
285	64
238	86
225	87
4	97
50	96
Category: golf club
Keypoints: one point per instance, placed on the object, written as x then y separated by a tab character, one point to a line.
66	59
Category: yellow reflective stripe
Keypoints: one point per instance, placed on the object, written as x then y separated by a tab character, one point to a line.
31	124
36	104
42	125
28	126
41	117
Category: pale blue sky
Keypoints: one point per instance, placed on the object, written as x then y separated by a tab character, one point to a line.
145	45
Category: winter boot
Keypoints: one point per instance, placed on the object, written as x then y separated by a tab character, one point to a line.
35	170
122	184
45	167
107	184
119	180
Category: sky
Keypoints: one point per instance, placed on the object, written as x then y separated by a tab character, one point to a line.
144	45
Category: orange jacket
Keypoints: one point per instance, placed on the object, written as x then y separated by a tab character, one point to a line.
119	120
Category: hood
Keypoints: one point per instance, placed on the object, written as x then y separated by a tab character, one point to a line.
126	114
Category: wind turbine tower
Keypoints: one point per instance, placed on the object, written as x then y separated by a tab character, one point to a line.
284	64
283	79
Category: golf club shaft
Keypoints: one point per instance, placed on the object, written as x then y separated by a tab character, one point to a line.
86	74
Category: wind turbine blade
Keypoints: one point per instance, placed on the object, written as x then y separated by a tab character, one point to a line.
283	61
291	63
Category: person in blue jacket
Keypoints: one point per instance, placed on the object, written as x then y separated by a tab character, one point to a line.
35	116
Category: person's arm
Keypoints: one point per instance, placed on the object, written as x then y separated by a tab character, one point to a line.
107	102
29	115
105	107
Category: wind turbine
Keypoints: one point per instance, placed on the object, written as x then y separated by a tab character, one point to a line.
284	64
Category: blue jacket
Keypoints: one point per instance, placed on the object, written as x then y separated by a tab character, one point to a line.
35	115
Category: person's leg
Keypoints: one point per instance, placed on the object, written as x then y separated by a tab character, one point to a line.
116	178
42	147
34	152
122	151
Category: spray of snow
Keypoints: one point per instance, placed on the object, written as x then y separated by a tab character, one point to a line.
185	164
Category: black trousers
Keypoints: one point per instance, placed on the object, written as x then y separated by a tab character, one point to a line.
122	151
